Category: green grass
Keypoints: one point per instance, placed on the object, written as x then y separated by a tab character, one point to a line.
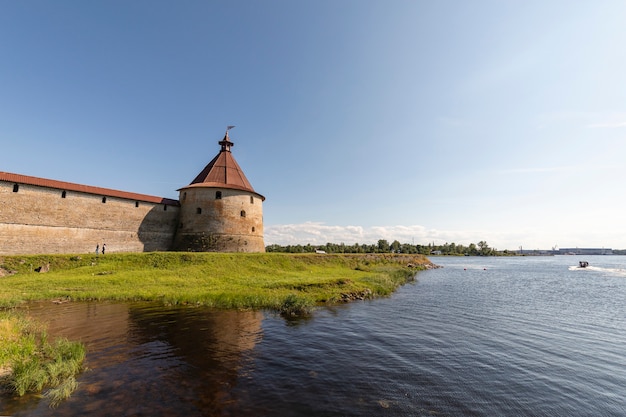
29	363
283	282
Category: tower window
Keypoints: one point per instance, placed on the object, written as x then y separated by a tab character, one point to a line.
164	207
251	200
199	210
243	213
136	203
16	188
185	195
64	194
253	229
104	199
218	195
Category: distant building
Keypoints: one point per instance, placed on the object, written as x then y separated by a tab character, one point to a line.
585	251
218	211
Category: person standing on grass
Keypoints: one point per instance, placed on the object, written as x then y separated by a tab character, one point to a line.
104	246
98	249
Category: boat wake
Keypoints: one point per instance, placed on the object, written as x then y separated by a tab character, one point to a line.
620	272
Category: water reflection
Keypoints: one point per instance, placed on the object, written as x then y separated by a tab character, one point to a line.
151	360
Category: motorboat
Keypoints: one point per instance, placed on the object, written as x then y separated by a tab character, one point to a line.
583	264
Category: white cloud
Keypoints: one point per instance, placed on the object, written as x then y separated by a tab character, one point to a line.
590	120
318	233
607	121
532	170
586	167
606	125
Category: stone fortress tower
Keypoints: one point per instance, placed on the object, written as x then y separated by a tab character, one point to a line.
219	209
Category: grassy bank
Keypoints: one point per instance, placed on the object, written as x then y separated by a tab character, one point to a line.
29	363
277	281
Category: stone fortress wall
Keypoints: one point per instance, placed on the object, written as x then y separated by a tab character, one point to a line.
218	212
36	219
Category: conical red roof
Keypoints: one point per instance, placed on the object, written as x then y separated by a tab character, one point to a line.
223	171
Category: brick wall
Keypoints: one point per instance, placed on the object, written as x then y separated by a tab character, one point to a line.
40	220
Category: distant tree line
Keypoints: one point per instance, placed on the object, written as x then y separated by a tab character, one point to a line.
383	246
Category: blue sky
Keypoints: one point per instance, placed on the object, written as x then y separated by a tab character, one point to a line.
421	121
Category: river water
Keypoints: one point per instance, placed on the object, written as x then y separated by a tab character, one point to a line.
523	336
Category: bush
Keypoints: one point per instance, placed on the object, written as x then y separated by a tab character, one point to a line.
294	306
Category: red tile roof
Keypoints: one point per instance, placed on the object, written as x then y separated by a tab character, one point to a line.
68	186
223	172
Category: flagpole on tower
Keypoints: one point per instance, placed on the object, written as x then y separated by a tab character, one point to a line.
226	143
227	129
